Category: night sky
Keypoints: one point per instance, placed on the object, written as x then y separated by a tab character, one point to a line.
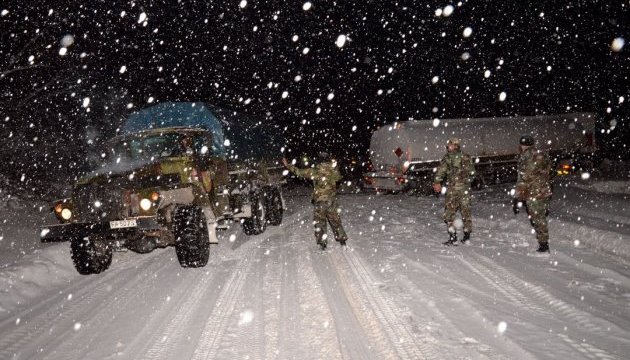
70	72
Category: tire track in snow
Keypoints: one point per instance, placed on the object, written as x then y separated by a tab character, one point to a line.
306	325
125	298
224	308
273	285
587	350
537	294
399	334
449	322
164	342
318	322
605	298
62	312
78	286
495	276
290	332
357	332
281	305
244	333
169	330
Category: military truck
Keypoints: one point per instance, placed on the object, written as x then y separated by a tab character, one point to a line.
176	173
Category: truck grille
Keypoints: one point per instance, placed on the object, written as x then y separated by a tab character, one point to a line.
95	202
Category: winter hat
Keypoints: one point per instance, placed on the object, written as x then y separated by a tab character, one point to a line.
454	141
527	140
323	155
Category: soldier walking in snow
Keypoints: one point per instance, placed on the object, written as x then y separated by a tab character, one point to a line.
325	177
533	188
458	170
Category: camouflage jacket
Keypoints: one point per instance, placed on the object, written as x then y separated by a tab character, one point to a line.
457	169
534	175
324	176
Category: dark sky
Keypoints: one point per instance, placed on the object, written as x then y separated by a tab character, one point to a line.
547	56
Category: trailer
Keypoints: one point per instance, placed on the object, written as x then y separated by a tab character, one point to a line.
404	155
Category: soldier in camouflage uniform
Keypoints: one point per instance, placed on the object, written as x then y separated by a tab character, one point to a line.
533	188
458	170
325	177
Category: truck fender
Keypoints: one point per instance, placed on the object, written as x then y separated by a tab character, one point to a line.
211	222
176	196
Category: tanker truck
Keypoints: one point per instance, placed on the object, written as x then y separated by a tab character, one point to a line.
404	155
174	174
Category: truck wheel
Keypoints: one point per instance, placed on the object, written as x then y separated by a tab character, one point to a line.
192	243
273	204
258	222
89	256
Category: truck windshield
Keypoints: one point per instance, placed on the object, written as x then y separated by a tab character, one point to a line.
151	147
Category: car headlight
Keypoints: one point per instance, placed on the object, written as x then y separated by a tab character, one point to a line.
66	214
145	204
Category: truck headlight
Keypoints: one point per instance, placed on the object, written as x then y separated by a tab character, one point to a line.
145	204
66	214
63	210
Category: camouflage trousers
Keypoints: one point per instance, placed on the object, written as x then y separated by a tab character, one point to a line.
323	213
457	200
537	211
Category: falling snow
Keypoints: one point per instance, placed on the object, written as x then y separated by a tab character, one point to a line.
333	77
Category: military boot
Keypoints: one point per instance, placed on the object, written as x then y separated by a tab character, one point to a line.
322	244
466	236
452	239
543	248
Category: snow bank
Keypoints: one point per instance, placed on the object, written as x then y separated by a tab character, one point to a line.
601	240
34	275
607	187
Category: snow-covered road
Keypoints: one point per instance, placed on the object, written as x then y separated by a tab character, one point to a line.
395	293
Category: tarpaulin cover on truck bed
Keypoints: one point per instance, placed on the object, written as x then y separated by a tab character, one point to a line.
234	134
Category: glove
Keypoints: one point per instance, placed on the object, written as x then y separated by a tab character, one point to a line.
516	205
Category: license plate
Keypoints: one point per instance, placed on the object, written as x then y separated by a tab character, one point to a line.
120	224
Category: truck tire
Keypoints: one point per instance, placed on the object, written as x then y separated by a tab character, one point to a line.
192	243
257	223
89	256
273	204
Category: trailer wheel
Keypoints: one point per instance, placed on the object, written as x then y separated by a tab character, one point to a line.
90	256
478	183
192	243
258	222
273	204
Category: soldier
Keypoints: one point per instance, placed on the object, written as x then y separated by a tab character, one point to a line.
533	188
325	177
458	170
